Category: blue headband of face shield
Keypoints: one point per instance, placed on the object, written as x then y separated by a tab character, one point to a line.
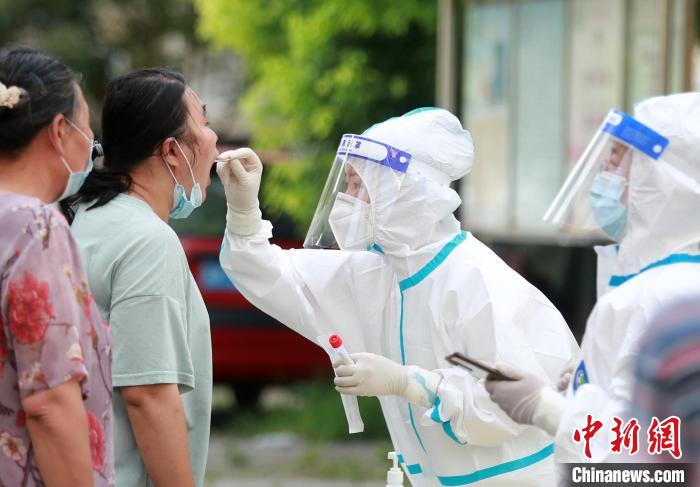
374	151
635	134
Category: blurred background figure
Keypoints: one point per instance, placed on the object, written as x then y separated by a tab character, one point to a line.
668	375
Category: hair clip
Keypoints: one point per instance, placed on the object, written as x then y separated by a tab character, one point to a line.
9	97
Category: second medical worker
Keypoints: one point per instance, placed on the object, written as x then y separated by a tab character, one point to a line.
638	181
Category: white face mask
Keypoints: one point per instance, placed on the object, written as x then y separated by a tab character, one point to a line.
352	223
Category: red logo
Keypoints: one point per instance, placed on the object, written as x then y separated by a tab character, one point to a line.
627	437
662	436
665	436
588	432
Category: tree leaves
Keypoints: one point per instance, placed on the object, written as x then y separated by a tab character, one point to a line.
320	68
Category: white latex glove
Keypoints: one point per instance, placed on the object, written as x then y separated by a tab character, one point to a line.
374	375
564	379
240	172
517	398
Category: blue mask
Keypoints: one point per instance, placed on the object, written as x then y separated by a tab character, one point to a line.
76	179
608	210
182	206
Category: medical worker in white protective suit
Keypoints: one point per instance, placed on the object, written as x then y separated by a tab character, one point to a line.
408	288
638	181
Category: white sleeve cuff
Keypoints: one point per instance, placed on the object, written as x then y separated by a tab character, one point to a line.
549	410
243	223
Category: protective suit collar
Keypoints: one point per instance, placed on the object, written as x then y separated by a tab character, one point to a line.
433	263
664	194
611	269
690	256
410	227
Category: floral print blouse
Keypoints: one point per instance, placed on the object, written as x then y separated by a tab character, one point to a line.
50	332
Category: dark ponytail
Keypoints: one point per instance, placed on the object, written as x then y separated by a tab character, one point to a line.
141	109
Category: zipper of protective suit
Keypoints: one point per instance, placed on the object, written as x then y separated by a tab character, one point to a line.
412	281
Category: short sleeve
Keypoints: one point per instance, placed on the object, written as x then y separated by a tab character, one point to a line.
148	313
150	343
47	306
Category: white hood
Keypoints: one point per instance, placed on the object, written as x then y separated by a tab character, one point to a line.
664	195
413	223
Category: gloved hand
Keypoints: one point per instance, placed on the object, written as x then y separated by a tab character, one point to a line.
517	398
374	375
240	172
565	379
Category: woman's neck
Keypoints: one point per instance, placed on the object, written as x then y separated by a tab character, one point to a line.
150	185
30	175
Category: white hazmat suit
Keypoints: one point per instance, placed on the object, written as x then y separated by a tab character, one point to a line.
427	290
656	263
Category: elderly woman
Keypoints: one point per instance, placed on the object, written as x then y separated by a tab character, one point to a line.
55	369
159	152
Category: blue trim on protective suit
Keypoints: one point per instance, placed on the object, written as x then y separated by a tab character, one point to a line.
419	110
477	475
413	425
671	259
486	473
435	415
501	469
412	469
413	280
375	247
403	350
445	423
447	428
434	263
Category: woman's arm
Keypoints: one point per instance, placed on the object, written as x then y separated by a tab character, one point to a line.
58	427
158	421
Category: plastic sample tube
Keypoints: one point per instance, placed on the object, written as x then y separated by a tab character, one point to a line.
333	345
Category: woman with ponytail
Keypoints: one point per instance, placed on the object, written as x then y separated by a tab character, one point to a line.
158	154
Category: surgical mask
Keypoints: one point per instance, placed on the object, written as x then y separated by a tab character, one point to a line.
182	207
76	179
606	202
351	222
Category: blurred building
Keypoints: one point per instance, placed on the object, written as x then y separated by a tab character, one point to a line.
533	80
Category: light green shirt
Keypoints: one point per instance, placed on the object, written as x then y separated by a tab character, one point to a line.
140	279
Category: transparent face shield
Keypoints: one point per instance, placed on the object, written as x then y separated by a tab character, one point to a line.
594	197
366	174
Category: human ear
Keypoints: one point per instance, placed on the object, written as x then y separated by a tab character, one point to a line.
57	131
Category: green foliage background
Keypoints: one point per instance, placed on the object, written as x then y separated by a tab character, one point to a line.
102	38
317	69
